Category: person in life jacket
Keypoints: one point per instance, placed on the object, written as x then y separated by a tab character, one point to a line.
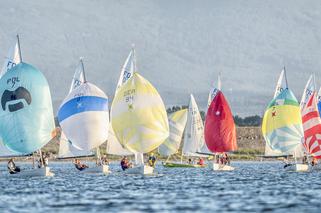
13	169
125	164
200	162
152	160
79	165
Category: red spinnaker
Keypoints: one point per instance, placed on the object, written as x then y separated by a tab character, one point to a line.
220	132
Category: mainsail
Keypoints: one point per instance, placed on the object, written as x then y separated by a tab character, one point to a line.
194	133
79	76
308	90
177	123
220	132
13	58
68	150
138	116
114	147
214	91
312	127
282	124
26	114
84	117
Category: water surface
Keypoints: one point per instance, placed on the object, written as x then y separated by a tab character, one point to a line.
252	187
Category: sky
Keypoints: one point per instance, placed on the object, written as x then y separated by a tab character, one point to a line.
181	45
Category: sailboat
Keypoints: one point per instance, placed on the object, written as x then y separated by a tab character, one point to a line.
312	128
308	91
282	127
139	119
113	146
220	131
26	115
177	122
280	86
84	118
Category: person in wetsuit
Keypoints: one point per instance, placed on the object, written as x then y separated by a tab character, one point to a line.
125	164
13	169
152	160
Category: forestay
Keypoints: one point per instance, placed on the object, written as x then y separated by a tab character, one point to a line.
84	117
138	115
26	110
282	124
177	123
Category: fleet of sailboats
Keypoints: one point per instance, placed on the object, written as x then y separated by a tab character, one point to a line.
138	121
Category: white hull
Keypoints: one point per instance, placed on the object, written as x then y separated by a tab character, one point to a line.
140	170
97	169
298	167
222	167
42	172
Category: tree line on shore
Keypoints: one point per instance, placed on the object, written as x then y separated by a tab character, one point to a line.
254	120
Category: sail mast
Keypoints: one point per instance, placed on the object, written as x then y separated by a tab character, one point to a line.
286	78
83	69
18	41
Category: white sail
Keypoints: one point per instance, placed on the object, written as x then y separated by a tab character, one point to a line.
114	147
128	69
84	117
214	91
13	58
307	92
194	133
79	76
68	150
281	84
177	123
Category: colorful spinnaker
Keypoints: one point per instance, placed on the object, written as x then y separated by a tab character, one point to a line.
312	127
138	116
282	124
84	117
177	123
13	58
220	132
281	85
26	114
194	142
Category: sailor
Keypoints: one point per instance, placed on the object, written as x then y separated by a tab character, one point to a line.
104	160
125	164
314	161
79	165
152	160
13	169
305	159
200	162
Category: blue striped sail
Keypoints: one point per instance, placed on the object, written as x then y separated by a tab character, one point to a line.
84	117
26	113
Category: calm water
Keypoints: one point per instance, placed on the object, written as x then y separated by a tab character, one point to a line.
253	187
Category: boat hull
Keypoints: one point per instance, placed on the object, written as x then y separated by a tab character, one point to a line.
182	165
298	167
97	169
222	167
140	170
37	172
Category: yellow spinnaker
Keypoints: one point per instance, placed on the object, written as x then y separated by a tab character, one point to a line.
138	116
